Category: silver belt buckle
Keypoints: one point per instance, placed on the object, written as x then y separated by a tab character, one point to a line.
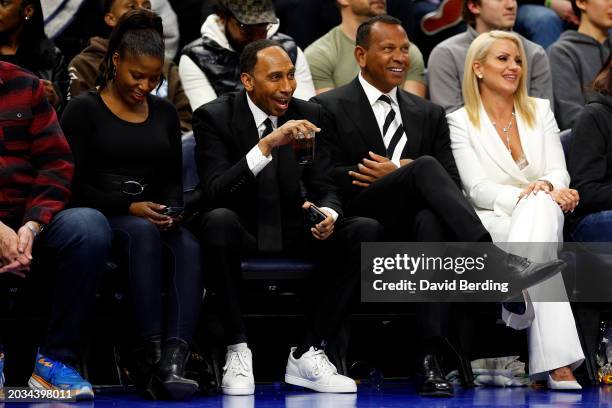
132	187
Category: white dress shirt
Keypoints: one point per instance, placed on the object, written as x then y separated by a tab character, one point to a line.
255	158
381	109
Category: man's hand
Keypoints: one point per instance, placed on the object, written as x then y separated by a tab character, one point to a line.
50	93
325	228
152	212
567	198
285	134
372	170
11	259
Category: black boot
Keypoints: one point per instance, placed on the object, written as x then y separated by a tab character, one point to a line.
141	364
434	384
171	370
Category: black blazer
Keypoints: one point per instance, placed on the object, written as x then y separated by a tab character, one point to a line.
352	131
225	131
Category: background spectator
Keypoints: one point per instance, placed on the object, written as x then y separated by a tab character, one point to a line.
446	62
23	42
543	23
590	163
577	57
71	23
331	57
209	65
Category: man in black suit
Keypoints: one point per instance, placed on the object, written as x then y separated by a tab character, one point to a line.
393	162
258	191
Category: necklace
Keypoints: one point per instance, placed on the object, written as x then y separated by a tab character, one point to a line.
506	131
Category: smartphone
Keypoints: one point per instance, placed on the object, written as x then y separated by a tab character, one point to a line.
173	211
314	215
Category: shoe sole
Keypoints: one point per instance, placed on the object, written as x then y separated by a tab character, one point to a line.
301	382
179	390
238	391
437	394
37	383
543	274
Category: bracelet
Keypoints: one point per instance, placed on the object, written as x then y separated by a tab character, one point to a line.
550	186
548	3
35	231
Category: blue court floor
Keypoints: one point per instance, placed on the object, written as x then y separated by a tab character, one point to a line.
396	394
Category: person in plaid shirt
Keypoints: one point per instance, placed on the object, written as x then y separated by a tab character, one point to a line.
67	248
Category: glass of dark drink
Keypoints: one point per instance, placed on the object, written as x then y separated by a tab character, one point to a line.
304	147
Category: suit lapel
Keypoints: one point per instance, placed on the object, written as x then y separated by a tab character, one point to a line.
243	124
358	108
496	148
412	121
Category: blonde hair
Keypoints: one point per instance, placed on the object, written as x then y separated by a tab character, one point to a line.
478	51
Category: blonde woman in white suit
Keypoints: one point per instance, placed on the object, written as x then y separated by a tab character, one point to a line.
507	148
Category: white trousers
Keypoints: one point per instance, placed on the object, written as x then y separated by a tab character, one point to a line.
553	338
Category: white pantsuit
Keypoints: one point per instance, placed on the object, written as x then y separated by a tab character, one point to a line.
492	182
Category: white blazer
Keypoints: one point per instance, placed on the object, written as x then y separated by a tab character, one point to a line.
491	179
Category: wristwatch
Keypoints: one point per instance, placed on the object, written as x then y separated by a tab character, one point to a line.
36	232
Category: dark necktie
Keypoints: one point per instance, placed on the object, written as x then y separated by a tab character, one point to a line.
269	233
395	135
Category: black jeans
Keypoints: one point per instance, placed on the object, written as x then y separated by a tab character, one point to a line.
146	250
223	235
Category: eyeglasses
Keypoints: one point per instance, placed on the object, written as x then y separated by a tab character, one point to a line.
246	28
251	28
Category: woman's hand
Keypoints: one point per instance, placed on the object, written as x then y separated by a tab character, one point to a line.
567	198
539	185
152	212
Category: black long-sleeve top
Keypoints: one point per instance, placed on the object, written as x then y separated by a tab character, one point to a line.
590	156
104	144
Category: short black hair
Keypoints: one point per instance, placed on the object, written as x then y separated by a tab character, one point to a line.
362	38
248	58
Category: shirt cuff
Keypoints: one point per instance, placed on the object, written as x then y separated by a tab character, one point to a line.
333	213
256	160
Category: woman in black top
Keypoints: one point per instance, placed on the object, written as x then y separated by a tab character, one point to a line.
590	163
23	42
127	148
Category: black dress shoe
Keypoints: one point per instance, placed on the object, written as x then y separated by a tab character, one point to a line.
434	384
524	273
171	370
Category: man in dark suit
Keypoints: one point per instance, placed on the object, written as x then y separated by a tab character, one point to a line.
258	191
393	162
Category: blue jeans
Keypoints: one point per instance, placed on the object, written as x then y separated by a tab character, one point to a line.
147	252
596	227
75	247
538	24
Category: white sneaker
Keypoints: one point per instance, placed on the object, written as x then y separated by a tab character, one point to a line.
314	371
238	373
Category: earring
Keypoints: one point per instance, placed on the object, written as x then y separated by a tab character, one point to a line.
27	17
480	76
